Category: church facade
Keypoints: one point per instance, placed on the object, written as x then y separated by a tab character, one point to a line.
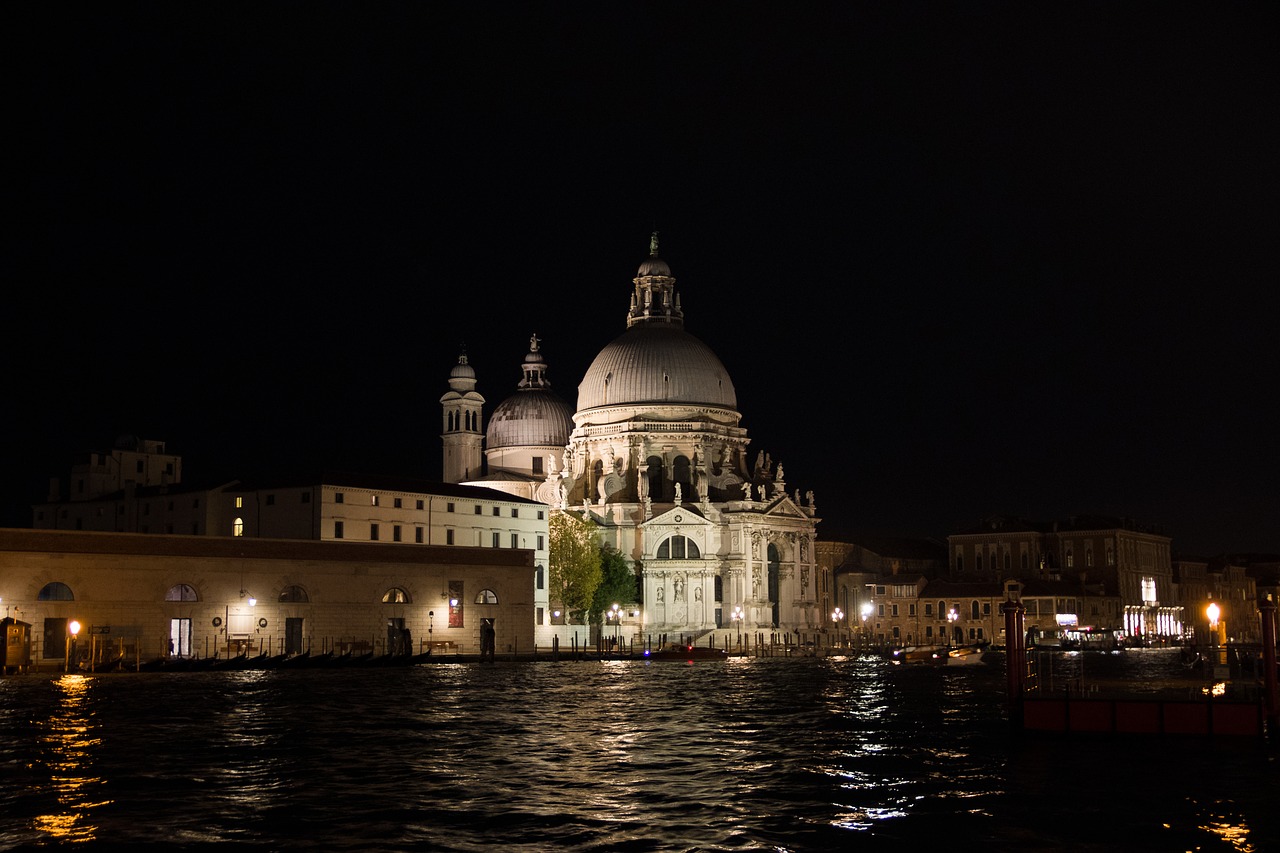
655	454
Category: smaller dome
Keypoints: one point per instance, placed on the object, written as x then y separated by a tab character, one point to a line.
530	418
462	370
653	265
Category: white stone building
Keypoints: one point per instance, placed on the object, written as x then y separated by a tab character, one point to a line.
654	453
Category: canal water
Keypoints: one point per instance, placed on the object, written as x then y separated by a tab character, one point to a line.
808	754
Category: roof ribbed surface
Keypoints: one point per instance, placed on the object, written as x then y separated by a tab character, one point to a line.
656	363
530	417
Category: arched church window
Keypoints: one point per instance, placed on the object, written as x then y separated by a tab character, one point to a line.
293	595
181	592
237	527
55	591
486	596
395	595
679	548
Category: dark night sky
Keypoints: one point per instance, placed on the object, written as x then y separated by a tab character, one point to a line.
959	259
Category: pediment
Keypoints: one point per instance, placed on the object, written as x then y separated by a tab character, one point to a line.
785	507
680	516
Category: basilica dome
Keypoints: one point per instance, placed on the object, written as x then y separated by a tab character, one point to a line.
534	416
655	360
530	419
656	363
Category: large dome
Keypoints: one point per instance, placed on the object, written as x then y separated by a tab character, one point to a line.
656	363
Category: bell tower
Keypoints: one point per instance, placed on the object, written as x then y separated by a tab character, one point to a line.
463	439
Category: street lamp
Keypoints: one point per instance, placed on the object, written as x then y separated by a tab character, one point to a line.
952	616
836	616
74	628
617	621
1213	612
737	621
867	610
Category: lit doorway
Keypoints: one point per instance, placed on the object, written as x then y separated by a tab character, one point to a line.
180	637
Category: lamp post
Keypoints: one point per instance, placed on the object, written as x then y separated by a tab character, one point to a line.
73	627
867	610
1212	612
952	616
836	616
617	622
737	621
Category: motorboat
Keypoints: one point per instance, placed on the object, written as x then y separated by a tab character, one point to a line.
939	655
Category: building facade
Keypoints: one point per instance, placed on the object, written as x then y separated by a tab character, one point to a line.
150	596
326	507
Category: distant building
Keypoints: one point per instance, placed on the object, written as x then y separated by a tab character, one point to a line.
1118	557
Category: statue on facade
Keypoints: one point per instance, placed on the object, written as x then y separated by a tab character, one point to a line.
746	491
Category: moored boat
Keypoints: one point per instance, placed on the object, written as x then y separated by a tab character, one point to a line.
939	655
683	651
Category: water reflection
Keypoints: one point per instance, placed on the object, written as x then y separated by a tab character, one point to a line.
790	755
71	740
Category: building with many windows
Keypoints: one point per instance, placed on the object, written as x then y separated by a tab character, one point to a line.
326	507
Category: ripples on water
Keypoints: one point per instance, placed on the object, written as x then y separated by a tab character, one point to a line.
747	754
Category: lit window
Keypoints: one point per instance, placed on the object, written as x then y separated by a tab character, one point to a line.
373	500
395	595
678	548
239	502
486	596
237	527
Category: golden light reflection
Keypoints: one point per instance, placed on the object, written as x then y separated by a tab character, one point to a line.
1234	834
71	740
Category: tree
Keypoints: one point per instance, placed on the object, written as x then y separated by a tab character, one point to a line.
573	562
617	583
